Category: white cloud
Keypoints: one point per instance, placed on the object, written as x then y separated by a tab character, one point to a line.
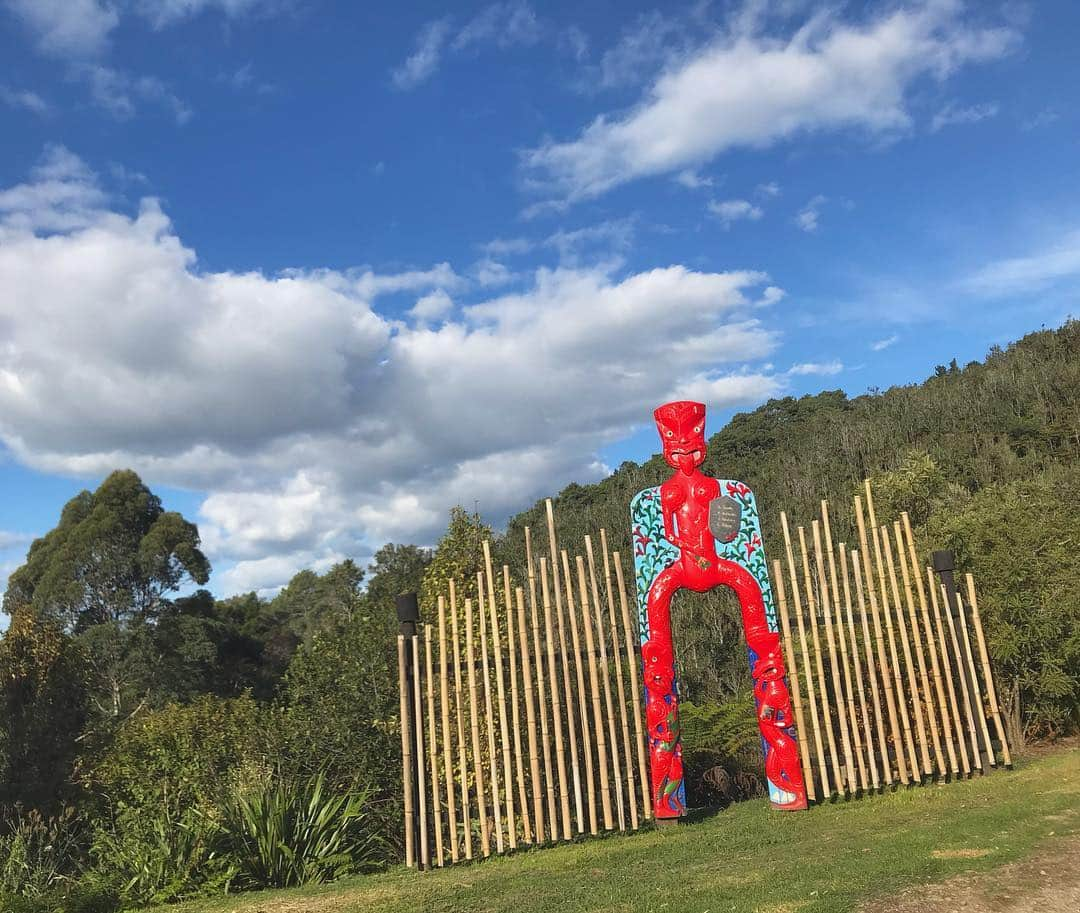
769	189
1043	118
807	217
503	25
120	93
424	60
318	424
880	345
433	306
23	98
691	180
821	368
163	13
1033	272
67	28
952	114
9	539
750	90
729	211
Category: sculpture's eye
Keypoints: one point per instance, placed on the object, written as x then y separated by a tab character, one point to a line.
697	430
670	433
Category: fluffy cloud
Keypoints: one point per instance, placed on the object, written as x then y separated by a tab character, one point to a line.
750	90
953	114
1033	272
728	211
319	424
67	28
826	368
807	217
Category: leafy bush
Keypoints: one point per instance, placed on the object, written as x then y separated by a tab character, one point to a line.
37	854
292	833
88	895
722	757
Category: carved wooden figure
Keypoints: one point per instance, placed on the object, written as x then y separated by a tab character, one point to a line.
695	532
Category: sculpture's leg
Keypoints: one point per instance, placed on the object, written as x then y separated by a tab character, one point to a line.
782	766
662	700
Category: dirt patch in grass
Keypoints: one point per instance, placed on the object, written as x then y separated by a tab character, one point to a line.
963	853
1048	881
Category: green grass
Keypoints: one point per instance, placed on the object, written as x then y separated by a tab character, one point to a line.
746	858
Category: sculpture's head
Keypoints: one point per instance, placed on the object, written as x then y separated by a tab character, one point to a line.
682	432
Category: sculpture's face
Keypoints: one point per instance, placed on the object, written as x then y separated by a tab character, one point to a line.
682	432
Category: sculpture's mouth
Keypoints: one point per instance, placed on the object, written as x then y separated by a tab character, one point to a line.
694	454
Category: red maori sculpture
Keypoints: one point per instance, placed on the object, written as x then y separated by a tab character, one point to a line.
696	517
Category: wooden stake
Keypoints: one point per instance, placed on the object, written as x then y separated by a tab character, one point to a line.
565	654
916	698
823	689
991	691
594	685
857	662
823	770
421	783
560	751
436	803
590	730
406	753
979	703
530	720
474	718
883	667
500	685
623	722
447	747
489	717
924	679
793	679
852	720
515	712
932	649
459	707
965	692
841	711
954	704
636	688
542	699
615	782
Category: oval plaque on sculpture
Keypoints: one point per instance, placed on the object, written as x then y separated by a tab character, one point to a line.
725	515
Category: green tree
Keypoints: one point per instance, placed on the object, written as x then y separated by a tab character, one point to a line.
458	556
42	709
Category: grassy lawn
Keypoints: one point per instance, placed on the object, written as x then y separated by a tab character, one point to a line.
743	859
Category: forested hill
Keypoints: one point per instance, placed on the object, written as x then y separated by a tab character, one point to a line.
1005	419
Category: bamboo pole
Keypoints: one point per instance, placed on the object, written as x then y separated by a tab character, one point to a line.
542	699
447	746
459	707
932	648
636	687
594	686
530	720
556	713
841	710
852	720
406	753
436	803
873	671
489	716
793	678
979	702
515	712
995	710
421	783
615	782
965	692
920	656
883	667
500	686
590	730
565	654
867	724
474	718
823	688
954	704
823	770
916	698
620	684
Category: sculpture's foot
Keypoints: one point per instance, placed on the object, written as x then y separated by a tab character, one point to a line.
666	823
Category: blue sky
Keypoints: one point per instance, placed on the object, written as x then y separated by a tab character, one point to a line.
320	270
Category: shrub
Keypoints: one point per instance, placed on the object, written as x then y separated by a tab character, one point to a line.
37	854
291	833
722	756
